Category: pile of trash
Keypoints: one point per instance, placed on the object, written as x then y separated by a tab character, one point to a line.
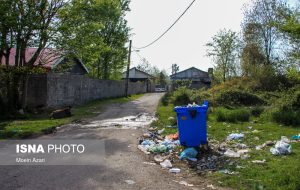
161	147
215	158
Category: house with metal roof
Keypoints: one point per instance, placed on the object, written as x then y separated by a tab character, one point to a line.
198	78
136	75
51	59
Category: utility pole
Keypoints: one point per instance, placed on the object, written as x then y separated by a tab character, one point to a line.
127	72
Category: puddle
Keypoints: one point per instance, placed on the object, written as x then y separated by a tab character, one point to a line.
128	122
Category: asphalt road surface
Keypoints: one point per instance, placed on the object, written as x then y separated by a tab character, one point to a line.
124	166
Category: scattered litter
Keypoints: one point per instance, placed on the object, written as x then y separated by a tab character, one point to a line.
188	153
147	135
281	148
158	149
232	154
147	142
226	171
243	151
241	146
159	158
185	184
245	156
259	161
160	131
151	128
211	186
166	164
256	138
130	182
174	170
249	127
149	163
171	118
172	136
296	137
240	167
259	147
193	159
143	149
171	126
234	136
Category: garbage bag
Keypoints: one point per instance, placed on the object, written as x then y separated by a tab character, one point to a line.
281	148
235	136
188	153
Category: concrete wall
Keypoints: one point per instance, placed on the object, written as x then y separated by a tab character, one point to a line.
36	91
57	90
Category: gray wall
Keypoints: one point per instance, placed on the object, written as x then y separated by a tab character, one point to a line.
57	90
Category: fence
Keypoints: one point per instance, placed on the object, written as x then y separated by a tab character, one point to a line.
57	90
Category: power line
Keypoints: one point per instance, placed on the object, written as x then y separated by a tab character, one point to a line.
169	27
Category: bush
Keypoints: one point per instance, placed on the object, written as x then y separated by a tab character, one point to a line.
287	117
198	96
256	111
182	96
288	108
165	99
232	115
238	98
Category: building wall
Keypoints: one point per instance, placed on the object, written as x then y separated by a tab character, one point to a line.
58	90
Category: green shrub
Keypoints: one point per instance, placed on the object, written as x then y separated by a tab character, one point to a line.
165	99
257	110
287	117
287	108
232	115
238	98
182	96
198	96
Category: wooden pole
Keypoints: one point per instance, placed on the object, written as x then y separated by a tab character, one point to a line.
127	72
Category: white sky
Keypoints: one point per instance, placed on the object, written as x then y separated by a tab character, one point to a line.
185	43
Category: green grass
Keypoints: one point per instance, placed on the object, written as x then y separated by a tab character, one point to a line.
42	124
235	115
279	172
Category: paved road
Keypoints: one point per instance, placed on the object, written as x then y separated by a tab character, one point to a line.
123	161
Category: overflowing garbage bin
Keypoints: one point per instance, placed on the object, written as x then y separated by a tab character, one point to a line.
191	121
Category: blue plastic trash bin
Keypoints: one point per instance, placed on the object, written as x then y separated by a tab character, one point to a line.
191	123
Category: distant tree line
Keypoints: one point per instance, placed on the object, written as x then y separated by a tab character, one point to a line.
267	46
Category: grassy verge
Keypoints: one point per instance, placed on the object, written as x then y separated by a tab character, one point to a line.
278	172
42	124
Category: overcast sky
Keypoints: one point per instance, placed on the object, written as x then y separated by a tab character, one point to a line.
185	43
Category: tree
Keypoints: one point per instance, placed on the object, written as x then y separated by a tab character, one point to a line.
96	31
144	66
26	23
252	57
224	50
162	81
289	25
261	16
23	24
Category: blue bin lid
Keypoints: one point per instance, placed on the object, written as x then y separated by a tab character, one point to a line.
183	109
